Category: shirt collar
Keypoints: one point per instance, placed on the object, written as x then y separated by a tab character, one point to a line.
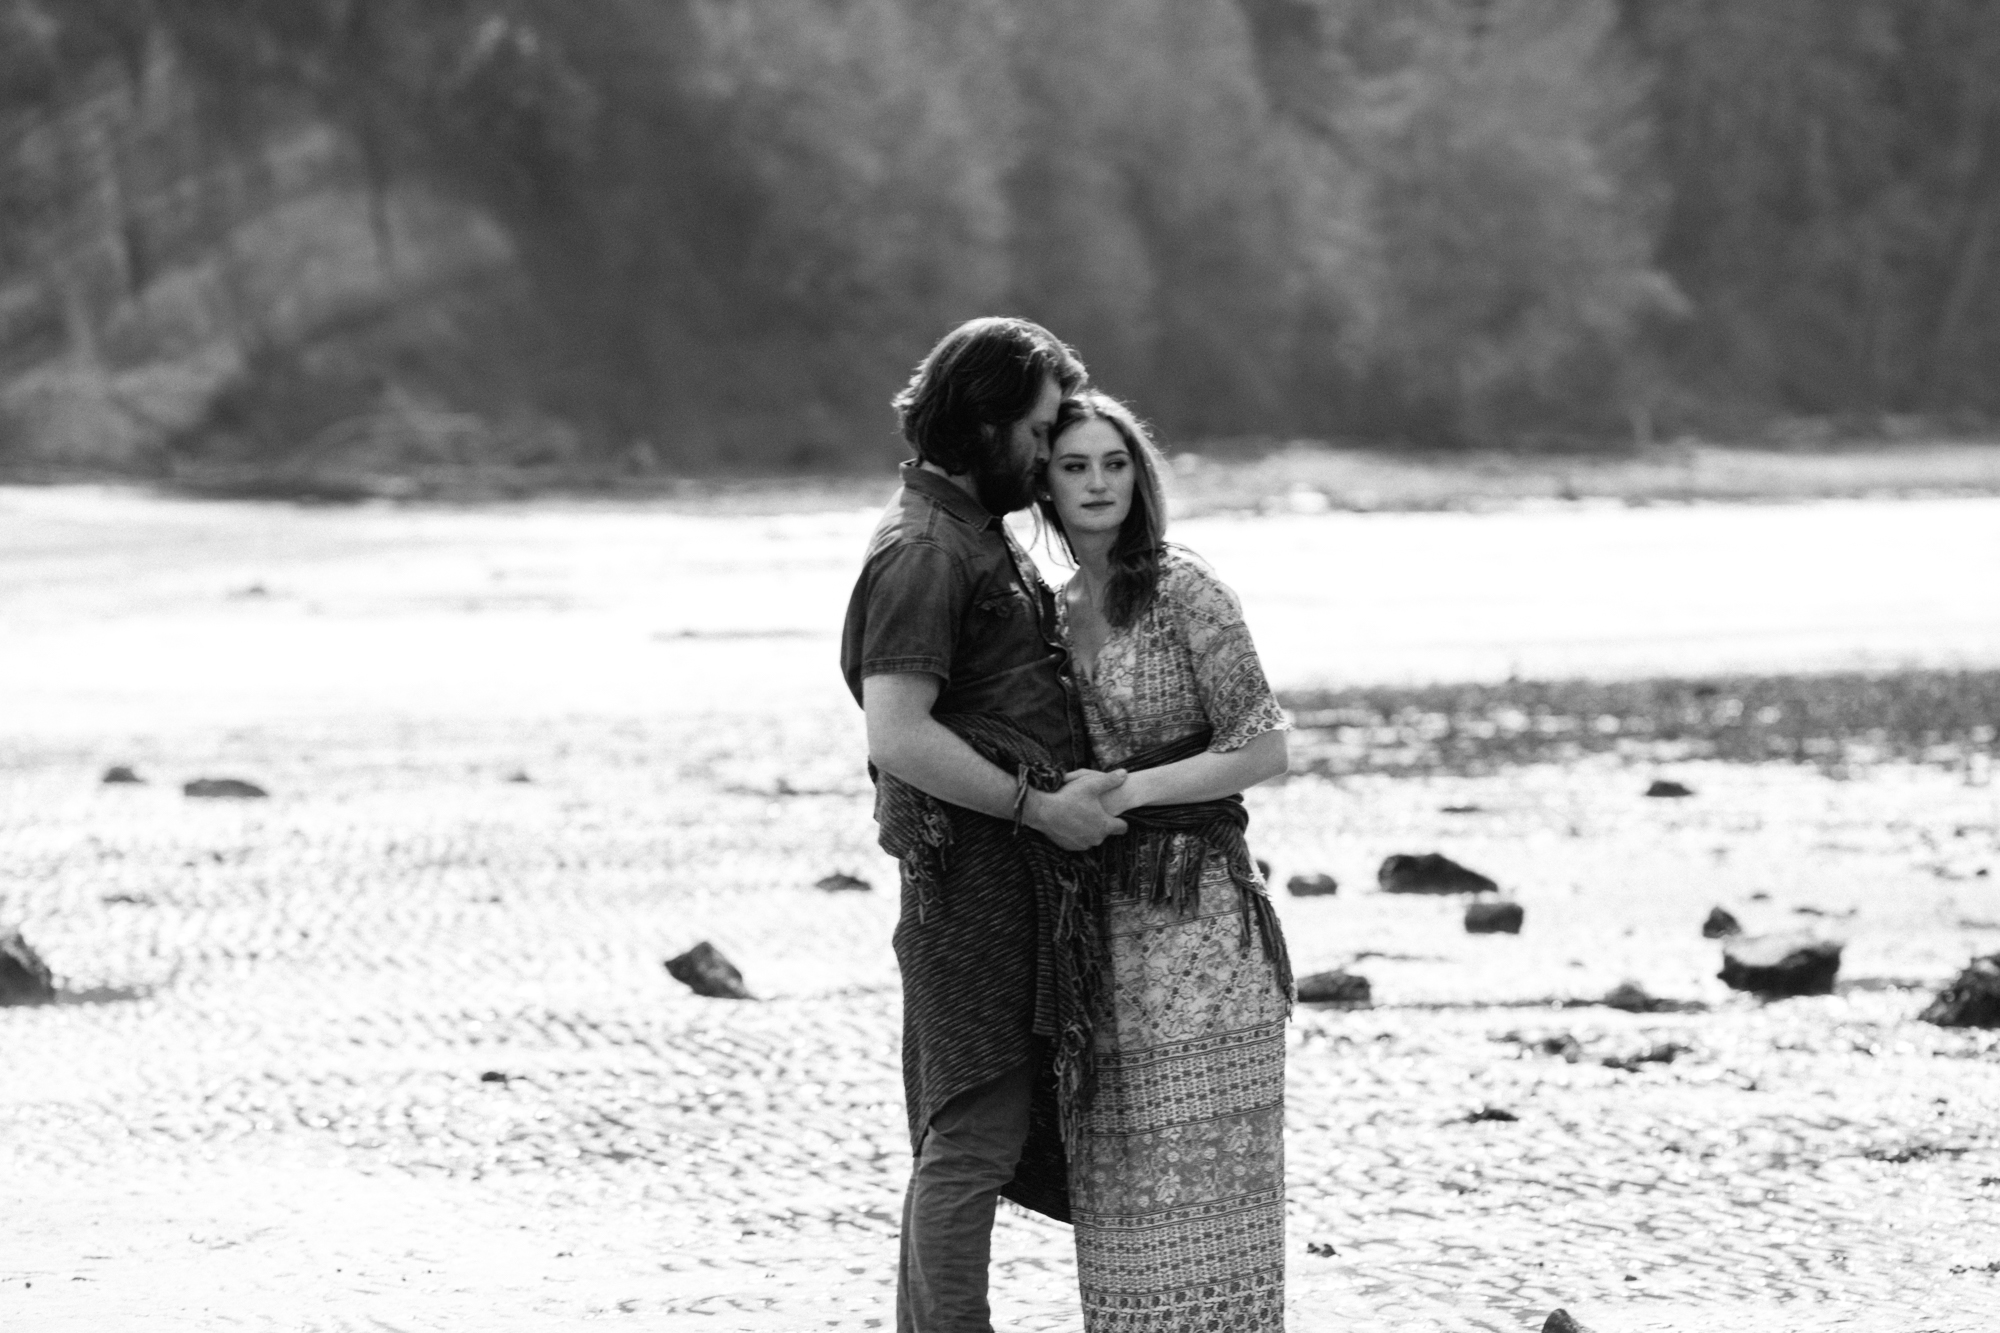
947	495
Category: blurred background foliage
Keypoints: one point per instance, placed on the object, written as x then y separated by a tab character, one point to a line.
687	235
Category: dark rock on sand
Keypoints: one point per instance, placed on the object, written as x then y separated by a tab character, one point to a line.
1629	996
1559	1044
1779	965
1562	1321
705	971
1668	787
1335	987
1263	870
1501	918
518	775
1720	925
1662	1053
119	773
1970	1001
493	1076
1497	1113
223	788
842	882
1633	998
1312	886
1431	872
24	977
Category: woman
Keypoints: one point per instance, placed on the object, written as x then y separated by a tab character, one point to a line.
1177	1166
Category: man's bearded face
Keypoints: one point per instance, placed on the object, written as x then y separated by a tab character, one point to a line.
1009	474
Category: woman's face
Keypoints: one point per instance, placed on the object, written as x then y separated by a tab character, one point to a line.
1091	472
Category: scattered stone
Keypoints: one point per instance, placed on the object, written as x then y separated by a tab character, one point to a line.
24	977
119	773
1720	925
1780	965
1629	996
1662	1053
1263	870
1493	918
1972	1000
223	788
1562	1321
126	899
493	1076
1335	987
1490	1112
705	971
1312	886
1432	872
1668	787
518	775
1461	809
1324	1251
842	882
1559	1044
1760	897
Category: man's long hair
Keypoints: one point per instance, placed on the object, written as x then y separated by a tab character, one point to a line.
1142	537
981	378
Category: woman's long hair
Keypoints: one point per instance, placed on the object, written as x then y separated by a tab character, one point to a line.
1135	553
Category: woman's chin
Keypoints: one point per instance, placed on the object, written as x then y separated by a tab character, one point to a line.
1093	524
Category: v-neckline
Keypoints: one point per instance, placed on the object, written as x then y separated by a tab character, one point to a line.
1086	671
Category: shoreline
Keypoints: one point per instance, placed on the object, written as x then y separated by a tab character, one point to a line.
1208	478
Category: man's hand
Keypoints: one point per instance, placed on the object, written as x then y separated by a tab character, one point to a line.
1072	817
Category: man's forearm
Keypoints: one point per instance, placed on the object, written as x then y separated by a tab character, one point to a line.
932	758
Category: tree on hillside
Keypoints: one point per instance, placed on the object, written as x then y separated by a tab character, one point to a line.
1836	197
1508	152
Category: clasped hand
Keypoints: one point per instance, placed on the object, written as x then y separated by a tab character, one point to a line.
1082	812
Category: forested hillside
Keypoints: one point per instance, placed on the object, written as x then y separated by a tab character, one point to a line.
691	234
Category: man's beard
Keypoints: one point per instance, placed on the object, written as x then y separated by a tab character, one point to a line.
1003	485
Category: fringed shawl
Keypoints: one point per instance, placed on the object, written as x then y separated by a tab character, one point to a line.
965	877
1165	846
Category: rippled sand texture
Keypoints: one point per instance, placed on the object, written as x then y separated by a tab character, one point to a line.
393	1048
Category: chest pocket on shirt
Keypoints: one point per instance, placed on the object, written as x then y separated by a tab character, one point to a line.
1005	605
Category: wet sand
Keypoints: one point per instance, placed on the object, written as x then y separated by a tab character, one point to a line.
262	1101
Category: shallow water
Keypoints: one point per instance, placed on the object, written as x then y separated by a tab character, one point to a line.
125	610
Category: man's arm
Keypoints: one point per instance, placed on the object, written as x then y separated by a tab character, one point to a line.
905	740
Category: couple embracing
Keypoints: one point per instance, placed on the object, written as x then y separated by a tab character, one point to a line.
1095	984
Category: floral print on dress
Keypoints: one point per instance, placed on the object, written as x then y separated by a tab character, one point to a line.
1177	1180
1185	663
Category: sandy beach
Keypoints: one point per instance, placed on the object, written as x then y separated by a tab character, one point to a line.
393	1048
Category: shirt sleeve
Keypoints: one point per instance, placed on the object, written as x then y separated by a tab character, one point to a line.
1229	678
912	603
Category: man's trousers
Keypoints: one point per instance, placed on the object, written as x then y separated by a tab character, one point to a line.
969	1152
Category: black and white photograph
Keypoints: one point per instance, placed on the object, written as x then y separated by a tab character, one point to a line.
938	666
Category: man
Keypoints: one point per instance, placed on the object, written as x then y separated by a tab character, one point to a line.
951	648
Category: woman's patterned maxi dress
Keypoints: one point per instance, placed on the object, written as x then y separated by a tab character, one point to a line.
1177	1181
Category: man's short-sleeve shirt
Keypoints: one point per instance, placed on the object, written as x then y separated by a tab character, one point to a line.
946	591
